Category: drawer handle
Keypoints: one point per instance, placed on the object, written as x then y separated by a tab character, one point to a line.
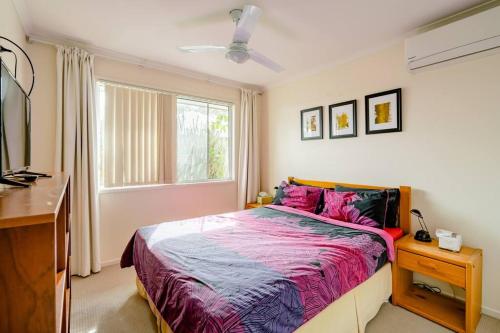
427	265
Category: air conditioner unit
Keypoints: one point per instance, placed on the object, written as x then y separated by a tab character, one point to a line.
476	33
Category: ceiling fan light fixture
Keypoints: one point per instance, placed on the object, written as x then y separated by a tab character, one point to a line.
237	56
237	53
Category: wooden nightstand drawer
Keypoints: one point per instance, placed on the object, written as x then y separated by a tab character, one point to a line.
253	205
441	270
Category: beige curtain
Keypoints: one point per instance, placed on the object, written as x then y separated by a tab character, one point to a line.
75	153
249	173
133	136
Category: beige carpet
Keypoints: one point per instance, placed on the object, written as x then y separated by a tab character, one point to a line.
108	302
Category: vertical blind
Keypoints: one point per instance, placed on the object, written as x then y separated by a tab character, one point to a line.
132	137
147	136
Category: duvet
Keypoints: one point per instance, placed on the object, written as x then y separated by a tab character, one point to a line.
267	269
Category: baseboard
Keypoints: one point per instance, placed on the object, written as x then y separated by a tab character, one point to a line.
484	309
491	312
110	262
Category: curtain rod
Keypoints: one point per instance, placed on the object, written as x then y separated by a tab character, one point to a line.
166	92
122	57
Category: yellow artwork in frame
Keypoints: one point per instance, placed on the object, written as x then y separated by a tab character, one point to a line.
383	112
343	122
311	123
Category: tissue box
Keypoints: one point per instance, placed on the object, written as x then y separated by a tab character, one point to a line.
451	242
265	200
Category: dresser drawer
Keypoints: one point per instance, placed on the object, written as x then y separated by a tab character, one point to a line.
441	270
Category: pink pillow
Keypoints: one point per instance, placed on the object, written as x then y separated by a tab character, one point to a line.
351	207
301	197
336	205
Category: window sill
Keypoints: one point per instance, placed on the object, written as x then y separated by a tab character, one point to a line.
163	186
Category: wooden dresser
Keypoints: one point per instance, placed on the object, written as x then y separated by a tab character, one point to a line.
35	284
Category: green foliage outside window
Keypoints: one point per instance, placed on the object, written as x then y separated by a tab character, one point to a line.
203	141
218	147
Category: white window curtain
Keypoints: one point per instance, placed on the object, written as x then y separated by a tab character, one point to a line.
75	153
249	173
133	136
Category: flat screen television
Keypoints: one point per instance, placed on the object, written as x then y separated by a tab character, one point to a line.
15	124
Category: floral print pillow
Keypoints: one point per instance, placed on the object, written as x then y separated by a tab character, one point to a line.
305	198
392	214
368	208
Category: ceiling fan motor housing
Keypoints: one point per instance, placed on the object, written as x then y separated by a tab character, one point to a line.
237	52
235	14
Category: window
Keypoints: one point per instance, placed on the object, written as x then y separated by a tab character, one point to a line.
203	140
135	142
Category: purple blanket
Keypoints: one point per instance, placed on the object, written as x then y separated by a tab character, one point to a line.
268	269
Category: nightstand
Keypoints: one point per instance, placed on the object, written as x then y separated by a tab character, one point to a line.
462	269
253	205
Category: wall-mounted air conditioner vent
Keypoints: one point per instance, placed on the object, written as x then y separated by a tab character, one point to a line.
476	33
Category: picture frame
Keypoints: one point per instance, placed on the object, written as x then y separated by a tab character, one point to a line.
383	112
343	120
311	123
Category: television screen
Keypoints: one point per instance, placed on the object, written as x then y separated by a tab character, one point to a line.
14	124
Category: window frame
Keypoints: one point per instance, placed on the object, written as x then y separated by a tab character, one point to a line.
231	133
172	145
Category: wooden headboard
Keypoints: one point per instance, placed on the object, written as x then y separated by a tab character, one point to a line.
404	199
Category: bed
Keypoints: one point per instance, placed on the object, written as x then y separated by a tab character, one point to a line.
269	269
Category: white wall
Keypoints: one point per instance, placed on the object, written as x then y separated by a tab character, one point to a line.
448	150
122	212
10	27
43	107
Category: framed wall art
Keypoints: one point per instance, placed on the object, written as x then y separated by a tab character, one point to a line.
311	123
383	112
343	122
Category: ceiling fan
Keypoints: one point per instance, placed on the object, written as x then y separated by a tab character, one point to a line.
238	50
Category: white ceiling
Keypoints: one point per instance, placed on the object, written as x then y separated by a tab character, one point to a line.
298	34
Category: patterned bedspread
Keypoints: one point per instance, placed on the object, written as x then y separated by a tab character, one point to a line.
268	269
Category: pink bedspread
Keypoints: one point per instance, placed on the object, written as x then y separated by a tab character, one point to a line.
268	269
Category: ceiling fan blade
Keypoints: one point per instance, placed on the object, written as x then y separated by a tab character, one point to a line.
265	61
247	23
201	48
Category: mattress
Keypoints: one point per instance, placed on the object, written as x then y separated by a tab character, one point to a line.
269	269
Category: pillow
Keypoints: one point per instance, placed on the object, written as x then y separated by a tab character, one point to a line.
366	208
395	233
321	202
301	197
392	215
